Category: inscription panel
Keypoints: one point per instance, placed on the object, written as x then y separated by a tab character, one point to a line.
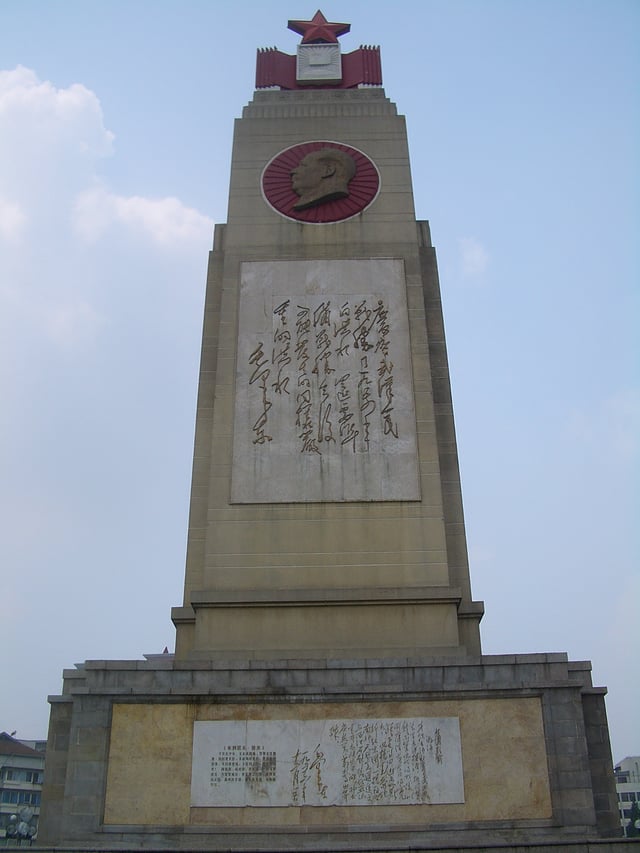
344	762
324	407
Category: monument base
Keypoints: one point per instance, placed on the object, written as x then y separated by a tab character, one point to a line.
328	754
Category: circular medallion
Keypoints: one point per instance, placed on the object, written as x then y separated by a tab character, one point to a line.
320	181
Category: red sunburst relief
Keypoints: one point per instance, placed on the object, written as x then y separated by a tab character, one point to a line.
277	190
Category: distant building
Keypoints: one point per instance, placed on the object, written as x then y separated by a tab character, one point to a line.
627	774
21	771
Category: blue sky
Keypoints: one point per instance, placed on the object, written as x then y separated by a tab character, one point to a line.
116	121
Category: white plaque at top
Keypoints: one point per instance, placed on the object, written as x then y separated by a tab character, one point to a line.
341	762
324	407
318	63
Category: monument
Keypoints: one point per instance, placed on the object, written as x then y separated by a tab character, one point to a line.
328	689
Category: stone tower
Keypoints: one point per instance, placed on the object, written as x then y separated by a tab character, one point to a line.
326	512
328	689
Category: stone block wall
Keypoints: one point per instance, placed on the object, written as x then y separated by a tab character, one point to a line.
127	720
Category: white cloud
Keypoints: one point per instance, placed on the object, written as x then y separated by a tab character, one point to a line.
166	221
50	140
12	220
474	258
68	242
42	115
51	143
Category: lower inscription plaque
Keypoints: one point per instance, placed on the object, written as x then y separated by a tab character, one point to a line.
346	762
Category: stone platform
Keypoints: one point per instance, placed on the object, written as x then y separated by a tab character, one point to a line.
600	846
533	743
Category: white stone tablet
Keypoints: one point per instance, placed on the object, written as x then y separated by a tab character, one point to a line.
341	762
324	405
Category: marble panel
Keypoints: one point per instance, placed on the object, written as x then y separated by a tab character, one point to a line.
331	762
324	404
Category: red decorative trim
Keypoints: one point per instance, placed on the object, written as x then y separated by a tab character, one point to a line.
277	190
275	68
362	66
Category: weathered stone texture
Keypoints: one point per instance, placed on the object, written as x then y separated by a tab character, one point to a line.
526	763
300	546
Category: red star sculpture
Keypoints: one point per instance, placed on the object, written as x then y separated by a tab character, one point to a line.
318	29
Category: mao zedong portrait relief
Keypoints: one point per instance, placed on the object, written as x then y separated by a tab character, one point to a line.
322	176
320	181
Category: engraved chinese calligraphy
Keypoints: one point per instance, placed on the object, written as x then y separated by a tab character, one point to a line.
386	761
306	775
254	766
341	377
324	401
327	762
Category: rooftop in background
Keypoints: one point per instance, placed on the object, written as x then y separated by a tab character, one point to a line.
12	746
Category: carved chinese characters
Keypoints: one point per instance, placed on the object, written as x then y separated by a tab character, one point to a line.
324	402
335	362
327	762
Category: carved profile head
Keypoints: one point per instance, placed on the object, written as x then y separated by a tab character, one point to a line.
322	176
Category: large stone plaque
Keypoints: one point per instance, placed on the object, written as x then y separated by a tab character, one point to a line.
346	762
324	407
